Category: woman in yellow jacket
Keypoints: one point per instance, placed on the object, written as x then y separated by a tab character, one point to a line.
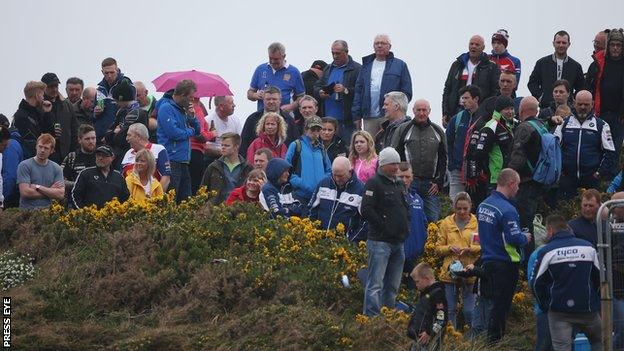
141	182
458	242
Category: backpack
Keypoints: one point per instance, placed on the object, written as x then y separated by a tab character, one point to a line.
548	168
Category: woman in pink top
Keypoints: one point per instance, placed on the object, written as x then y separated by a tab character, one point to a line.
362	155
271	131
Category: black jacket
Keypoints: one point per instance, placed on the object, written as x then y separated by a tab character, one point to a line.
31	123
544	76
383	138
337	148
430	309
527	146
386	210
485	77
348	80
93	188
63	114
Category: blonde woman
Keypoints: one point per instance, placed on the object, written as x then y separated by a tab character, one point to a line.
457	243
271	131
362	155
141	182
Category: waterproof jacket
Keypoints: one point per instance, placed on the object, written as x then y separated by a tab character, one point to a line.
526	148
313	163
457	133
383	138
385	208
174	130
499	229
278	149
31	123
424	147
332	205
137	190
215	178
277	198
507	62
93	188
586	147
566	275
544	76
495	145
351	72
485	76
11	158
396	77
240	195
594	80
451	235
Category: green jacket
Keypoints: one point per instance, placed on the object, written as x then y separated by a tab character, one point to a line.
494	145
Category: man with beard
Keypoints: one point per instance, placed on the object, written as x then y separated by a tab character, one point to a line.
584	134
73	88
100	184
81	158
33	117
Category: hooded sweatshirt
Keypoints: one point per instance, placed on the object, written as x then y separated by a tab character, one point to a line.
277	198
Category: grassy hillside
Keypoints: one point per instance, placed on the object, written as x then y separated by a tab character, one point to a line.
192	277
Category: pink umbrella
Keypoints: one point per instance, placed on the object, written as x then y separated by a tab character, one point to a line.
208	84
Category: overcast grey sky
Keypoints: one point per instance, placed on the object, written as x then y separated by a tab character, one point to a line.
71	37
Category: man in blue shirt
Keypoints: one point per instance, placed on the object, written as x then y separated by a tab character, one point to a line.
277	73
342	74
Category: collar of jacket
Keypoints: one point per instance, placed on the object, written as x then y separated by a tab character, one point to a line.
563	234
371	57
554	58
463	58
423	125
502	54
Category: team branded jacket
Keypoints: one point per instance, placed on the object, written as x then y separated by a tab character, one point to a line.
591	139
332	205
499	229
566	275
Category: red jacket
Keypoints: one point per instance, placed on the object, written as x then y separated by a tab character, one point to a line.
239	194
279	149
600	59
208	135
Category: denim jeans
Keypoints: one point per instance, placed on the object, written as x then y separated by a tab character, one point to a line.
180	180
543	342
431	203
385	265
480	316
452	291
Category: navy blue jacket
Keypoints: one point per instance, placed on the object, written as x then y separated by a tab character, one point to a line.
396	77
332	205
456	131
584	229
11	157
414	245
278	198
104	120
566	275
585	148
499	229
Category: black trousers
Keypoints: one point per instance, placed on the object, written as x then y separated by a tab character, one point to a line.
504	277
196	169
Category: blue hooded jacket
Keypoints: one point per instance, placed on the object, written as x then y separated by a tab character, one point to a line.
11	157
277	198
175	129
566	275
499	229
396	77
315	165
332	205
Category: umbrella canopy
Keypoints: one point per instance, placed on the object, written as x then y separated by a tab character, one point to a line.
208	84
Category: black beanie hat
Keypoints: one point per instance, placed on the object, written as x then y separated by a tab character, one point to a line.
502	102
123	91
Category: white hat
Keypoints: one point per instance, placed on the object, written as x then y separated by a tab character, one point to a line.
388	156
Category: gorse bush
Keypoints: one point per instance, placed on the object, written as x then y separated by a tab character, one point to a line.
161	276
